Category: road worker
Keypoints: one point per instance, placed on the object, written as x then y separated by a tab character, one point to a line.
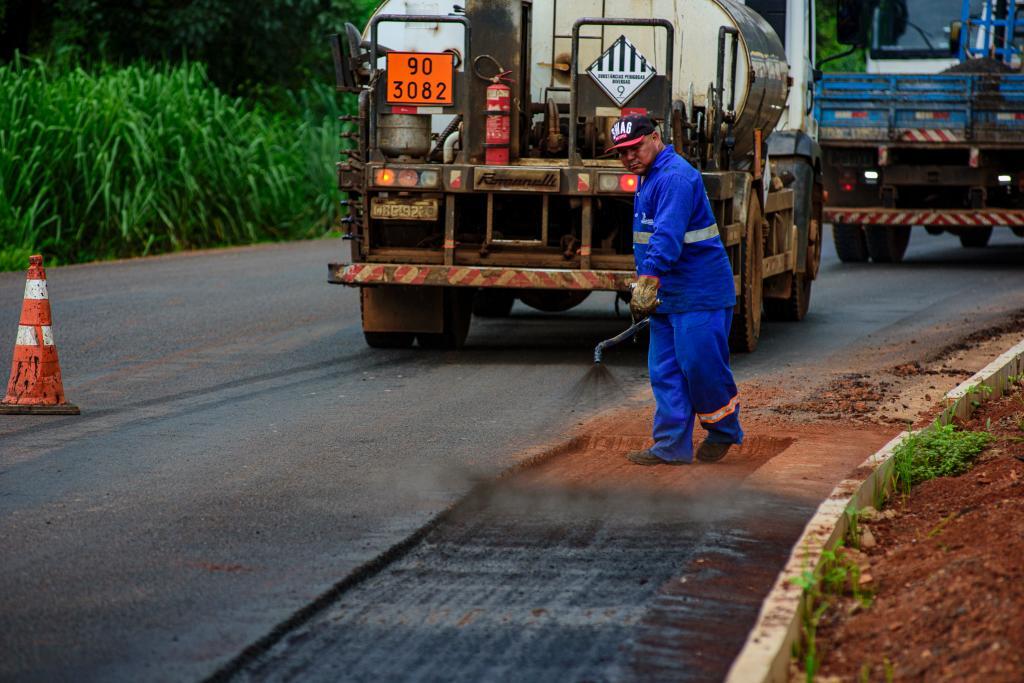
685	285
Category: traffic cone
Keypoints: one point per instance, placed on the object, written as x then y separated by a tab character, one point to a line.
35	387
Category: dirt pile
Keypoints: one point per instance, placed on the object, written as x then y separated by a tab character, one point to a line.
947	574
850	395
982	65
903	391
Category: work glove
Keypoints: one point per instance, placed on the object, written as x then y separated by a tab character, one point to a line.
645	297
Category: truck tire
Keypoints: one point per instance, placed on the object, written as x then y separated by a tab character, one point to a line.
746	319
851	245
887	244
384	340
976	238
493	303
553	300
389	340
458	313
794	308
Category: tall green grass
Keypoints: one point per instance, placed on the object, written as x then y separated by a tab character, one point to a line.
118	162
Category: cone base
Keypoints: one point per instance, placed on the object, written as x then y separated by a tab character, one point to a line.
14	409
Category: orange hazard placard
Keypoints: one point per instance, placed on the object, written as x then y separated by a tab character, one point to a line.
421	78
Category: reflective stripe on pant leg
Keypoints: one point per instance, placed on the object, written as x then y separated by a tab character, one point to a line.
705	361
673	415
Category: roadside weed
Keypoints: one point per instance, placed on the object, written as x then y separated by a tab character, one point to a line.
835	576
942	451
852	526
982	390
15	258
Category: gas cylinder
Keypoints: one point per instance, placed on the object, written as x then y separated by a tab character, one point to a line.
498	131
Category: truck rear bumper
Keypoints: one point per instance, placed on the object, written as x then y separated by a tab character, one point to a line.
948	218
370	274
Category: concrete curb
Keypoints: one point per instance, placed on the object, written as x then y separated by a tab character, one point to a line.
766	655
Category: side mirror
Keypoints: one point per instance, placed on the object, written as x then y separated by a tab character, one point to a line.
851	26
955	29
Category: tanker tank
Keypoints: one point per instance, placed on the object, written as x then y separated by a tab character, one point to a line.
762	72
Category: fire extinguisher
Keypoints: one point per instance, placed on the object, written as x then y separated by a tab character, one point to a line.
498	134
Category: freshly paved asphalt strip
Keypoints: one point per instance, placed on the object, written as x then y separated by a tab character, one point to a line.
240	449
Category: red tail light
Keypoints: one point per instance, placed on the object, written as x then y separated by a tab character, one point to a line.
627	183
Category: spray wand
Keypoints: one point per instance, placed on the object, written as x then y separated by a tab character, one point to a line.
630	332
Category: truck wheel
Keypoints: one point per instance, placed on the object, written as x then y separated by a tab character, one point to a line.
553	300
746	320
851	246
887	244
389	340
793	309
493	303
458	312
383	340
976	238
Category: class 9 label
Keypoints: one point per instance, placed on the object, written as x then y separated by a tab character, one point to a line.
420	78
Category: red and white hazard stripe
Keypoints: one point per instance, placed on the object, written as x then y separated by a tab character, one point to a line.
976	218
467	276
929	135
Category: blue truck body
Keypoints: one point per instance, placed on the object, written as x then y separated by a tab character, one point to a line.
942	151
974	109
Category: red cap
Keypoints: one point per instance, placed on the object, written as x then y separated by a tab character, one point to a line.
630	130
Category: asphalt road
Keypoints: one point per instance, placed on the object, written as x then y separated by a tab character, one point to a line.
240	450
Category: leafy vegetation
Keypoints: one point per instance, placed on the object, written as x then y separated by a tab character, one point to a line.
827	45
119	162
942	451
249	48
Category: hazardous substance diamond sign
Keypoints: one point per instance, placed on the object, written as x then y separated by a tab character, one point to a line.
621	71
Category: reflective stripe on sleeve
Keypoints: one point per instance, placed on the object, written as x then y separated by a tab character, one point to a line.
640	237
702	234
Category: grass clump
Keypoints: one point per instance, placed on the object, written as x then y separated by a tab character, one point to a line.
120	162
942	451
834	577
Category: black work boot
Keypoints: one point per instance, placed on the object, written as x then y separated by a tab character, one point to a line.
710	451
648	458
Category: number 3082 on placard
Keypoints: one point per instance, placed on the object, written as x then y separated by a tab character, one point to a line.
420	78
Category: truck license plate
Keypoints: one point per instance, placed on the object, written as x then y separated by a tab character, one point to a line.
421	78
404	209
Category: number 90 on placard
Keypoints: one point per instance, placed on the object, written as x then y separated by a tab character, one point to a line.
420	78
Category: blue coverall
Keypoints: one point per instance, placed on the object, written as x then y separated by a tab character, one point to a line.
675	238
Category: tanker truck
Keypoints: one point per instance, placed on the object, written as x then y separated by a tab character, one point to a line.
478	174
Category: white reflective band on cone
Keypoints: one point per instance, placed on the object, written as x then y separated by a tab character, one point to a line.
35	289
27	336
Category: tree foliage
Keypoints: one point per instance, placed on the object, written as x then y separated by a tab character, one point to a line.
246	45
827	45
